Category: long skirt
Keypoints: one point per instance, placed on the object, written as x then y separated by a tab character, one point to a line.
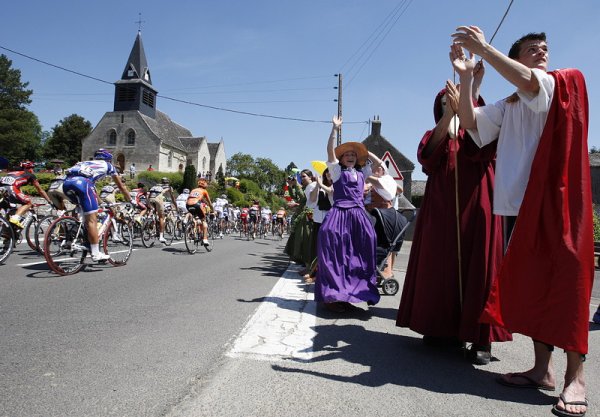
346	258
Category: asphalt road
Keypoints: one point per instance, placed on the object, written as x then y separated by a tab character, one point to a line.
155	338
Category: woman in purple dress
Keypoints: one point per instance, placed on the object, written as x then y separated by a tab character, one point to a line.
346	270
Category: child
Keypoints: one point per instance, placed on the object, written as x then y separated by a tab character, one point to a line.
346	243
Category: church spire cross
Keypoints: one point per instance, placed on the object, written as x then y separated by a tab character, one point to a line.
139	22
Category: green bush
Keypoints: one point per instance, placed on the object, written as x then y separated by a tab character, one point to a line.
596	226
151	178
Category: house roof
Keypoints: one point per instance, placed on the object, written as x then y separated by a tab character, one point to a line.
378	144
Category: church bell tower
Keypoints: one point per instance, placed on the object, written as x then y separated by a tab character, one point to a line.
134	91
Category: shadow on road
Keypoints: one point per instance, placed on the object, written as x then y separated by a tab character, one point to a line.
405	361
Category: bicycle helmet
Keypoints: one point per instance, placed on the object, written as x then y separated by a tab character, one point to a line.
164	180
223	196
186	191
141	185
27	165
103	155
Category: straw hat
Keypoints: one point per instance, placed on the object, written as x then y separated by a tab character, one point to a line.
361	151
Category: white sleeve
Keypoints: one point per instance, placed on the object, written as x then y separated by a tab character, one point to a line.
489	119
541	101
335	170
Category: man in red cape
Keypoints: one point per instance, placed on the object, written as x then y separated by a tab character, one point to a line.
544	285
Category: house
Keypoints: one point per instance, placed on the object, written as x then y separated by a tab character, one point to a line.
137	132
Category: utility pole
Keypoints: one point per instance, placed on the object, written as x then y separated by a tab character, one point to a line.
339	102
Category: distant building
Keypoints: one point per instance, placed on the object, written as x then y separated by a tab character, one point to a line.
393	157
137	132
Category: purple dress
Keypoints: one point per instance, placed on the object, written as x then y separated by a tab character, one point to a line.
346	247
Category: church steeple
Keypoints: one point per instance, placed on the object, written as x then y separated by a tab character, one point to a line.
134	91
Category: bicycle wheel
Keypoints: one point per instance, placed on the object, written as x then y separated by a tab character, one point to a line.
64	247
149	233
29	231
169	233
7	240
118	243
40	231
191	238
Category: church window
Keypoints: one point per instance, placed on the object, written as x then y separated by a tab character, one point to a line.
125	93
204	163
112	138
170	159
130	138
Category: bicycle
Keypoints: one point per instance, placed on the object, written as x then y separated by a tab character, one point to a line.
194	236
66	245
7	239
151	229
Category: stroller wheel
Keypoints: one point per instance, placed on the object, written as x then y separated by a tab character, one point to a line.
390	286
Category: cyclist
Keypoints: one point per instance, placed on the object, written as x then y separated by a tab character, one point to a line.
57	194
156	199
196	205
107	194
79	188
281	217
181	201
220	206
254	215
139	201
11	185
244	214
266	215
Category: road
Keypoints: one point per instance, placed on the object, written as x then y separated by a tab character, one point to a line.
233	332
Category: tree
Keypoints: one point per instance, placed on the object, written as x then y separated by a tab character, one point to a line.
20	130
268	175
240	165
13	93
220	178
65	141
189	177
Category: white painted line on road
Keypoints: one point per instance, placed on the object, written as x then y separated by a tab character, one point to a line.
283	325
134	249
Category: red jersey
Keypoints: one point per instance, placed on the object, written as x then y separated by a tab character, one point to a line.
16	179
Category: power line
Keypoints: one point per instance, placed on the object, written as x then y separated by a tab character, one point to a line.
297	119
381	32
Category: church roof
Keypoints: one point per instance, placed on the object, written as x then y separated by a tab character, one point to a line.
212	149
169	132
137	64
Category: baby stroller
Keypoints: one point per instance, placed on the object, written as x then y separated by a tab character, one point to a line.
390	227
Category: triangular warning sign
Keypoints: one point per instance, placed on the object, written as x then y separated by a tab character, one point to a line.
391	166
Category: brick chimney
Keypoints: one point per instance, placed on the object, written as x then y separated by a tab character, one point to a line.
375	126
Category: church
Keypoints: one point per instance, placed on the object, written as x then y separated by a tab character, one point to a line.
136	132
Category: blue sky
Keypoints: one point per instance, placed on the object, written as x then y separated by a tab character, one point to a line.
278	58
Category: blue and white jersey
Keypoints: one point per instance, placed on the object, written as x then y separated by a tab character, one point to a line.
93	170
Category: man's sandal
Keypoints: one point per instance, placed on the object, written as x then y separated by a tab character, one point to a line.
564	413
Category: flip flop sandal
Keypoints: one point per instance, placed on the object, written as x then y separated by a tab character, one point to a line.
564	413
529	382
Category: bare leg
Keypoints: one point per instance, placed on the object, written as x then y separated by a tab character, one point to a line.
542	371
574	389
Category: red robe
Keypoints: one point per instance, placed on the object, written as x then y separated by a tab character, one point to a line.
430	302
545	280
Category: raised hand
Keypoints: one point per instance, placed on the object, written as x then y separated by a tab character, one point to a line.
462	64
471	38
452	96
337	122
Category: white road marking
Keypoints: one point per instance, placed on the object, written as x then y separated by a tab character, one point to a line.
283	325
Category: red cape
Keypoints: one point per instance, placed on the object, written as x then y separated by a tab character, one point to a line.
545	281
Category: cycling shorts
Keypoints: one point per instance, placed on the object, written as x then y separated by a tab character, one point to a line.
197	210
81	191
158	205
252	217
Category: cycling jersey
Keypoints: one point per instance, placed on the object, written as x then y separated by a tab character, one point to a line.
92	170
56	192
156	197
181	202
107	194
12	183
